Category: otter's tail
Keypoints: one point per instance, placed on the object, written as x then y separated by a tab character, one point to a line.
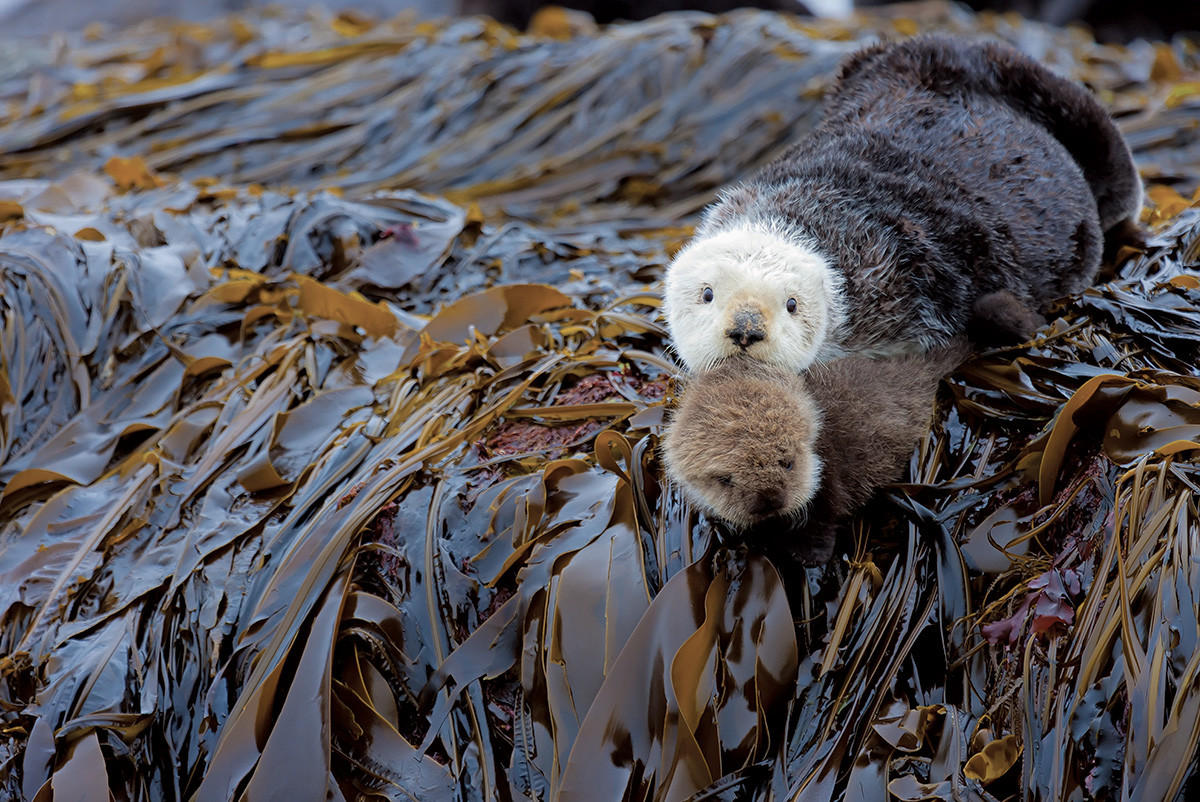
1066	109
1076	119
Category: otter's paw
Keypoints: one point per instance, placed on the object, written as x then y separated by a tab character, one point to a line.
1001	318
1126	233
811	544
816	545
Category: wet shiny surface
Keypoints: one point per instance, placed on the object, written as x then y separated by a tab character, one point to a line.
310	491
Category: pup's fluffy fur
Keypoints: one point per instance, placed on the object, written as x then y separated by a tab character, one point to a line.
844	428
950	187
742	442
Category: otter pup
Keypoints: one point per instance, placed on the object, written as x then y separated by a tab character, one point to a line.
950	187
743	442
786	458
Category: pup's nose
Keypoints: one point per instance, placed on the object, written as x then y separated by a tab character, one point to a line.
747	329
768	502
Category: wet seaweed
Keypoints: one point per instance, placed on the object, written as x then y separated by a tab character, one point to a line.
339	476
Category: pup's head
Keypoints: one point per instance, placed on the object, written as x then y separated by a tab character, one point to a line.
742	442
749	291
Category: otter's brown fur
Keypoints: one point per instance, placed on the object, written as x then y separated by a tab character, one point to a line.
874	412
743	441
952	186
848	427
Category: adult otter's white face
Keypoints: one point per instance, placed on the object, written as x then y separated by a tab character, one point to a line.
743	442
748	291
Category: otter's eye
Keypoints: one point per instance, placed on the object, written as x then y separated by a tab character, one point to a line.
707	295
786	464
725	479
791	306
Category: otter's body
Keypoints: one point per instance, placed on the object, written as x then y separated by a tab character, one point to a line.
874	412
947	185
786	458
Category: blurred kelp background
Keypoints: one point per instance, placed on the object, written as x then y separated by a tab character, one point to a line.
332	378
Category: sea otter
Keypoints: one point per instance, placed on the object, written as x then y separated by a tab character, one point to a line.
950	188
786	458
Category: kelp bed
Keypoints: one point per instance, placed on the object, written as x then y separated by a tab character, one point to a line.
315	486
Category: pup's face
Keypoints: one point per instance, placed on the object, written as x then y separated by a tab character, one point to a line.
743	291
742	443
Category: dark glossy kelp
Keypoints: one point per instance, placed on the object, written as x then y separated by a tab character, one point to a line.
634	124
311	490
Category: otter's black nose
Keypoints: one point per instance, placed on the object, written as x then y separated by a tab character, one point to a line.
747	328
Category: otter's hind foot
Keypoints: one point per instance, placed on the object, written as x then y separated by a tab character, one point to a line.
1127	233
1001	318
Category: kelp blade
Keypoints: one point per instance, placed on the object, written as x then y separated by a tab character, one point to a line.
318	485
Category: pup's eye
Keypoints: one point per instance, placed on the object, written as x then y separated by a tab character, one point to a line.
707	295
725	479
791	306
786	464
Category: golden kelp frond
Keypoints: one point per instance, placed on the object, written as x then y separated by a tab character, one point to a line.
628	125
356	494
187	511
1087	552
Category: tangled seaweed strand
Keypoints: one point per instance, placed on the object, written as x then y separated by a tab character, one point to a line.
317	486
